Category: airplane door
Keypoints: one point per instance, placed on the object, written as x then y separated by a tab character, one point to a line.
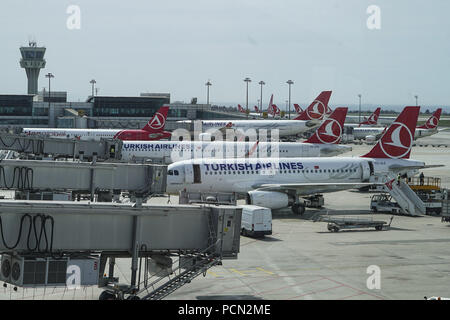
188	173
192	173
197	174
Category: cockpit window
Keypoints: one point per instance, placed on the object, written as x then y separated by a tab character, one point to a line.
170	173
175	172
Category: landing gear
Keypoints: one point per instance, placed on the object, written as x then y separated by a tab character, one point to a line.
298	208
107	295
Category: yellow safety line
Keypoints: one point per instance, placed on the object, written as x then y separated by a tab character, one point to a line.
261	269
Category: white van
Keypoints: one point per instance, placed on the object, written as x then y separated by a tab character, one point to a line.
256	221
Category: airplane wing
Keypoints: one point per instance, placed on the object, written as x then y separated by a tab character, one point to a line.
397	167
311	188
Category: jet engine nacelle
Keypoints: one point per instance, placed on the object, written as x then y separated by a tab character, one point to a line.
269	199
370	139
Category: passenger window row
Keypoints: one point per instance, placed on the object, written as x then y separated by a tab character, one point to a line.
279	171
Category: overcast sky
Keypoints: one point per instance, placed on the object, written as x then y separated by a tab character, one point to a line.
175	46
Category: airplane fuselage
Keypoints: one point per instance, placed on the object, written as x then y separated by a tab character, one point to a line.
244	175
97	134
171	151
285	127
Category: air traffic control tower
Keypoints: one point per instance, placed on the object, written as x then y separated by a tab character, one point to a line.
32	61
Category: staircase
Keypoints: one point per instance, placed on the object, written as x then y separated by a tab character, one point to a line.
406	198
196	265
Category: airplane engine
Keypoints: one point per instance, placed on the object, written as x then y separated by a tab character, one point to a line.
370	139
269	199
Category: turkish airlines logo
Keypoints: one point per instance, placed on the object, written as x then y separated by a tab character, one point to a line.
397	141
372	119
432	122
317	111
157	122
331	133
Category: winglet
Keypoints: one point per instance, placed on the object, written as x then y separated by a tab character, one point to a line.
317	110
397	141
330	131
158	121
433	121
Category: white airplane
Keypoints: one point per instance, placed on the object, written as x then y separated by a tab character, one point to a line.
309	119
153	130
323	143
427	129
278	183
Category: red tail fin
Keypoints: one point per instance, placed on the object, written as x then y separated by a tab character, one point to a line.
397	141
330	131
373	118
275	109
269	108
256	109
157	123
433	121
297	108
317	110
241	109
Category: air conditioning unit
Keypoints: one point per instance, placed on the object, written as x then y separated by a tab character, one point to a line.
38	272
28	271
5	268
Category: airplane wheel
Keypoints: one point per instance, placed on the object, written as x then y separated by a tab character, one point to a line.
106	295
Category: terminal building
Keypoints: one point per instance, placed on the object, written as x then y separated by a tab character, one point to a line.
51	109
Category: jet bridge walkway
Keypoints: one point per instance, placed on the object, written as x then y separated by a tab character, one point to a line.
82	177
50	233
41	146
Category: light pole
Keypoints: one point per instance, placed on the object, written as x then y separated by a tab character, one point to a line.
261	83
208	84
93	82
49	76
289	82
417	98
247	80
359	96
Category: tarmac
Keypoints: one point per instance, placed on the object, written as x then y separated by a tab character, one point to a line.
303	260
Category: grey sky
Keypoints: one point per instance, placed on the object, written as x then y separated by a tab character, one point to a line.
175	46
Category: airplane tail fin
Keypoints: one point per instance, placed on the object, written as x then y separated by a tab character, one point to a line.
298	109
330	131
373	118
158	121
397	140
241	109
317	110
270	107
276	110
433	121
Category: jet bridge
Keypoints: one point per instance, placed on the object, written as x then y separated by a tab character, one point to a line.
40	239
56	147
82	177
